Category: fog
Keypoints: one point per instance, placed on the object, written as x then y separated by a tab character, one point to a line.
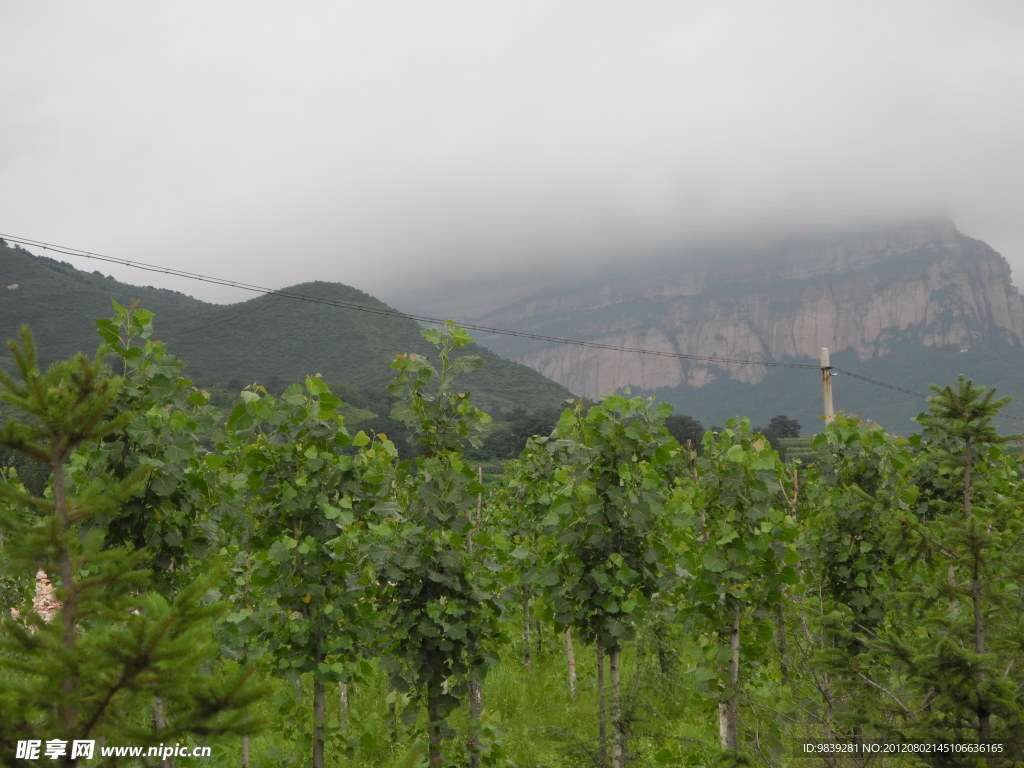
397	146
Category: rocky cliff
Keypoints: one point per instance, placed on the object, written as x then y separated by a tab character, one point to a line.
865	293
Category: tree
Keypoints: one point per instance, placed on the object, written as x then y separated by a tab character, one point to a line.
313	493
169	429
507	440
782	426
970	538
445	600
744	557
610	530
685	429
853	495
116	642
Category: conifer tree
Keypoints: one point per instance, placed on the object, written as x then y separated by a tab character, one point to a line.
970	532
93	671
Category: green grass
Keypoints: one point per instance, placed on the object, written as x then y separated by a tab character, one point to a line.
530	719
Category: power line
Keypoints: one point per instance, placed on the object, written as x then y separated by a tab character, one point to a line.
876	382
387	311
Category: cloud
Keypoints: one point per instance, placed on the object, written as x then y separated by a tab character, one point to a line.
391	145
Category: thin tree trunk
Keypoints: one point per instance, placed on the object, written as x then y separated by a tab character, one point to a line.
984	716
618	729
245	752
691	458
319	721
69	609
476	711
728	710
393	707
570	656
342	705
433	726
160	724
780	621
527	652
602	728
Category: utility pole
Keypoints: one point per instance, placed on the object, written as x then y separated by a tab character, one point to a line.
826	386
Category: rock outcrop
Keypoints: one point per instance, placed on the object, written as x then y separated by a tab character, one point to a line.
924	283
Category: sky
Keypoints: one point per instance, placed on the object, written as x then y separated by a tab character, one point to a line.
401	146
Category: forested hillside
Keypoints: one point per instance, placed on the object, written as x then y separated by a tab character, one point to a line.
337	331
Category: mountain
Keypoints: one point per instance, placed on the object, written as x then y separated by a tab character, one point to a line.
907	305
273	339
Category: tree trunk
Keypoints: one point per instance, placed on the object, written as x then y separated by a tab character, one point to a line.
984	716
69	609
160	724
393	707
319	721
245	752
602	728
433	726
618	727
342	705
780	623
527	653
728	710
476	711
570	655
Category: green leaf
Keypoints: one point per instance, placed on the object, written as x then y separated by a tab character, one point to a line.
198	398
713	562
736	454
239	419
109	331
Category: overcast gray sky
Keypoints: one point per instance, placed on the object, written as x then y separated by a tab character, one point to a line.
390	144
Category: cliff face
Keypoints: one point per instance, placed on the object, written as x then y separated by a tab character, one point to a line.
925	284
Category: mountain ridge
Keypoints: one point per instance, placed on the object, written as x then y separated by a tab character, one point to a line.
274	339
876	295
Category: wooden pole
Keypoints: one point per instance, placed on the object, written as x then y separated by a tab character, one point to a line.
826	386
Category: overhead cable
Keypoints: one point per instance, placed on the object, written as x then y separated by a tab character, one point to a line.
387	311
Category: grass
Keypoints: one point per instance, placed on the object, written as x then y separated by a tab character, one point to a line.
530	720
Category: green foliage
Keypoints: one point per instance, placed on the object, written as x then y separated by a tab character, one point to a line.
782	426
169	429
115	642
610	517
444	589
969	533
685	429
742	560
852	498
869	591
745	552
443	420
512	429
311	493
852	530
